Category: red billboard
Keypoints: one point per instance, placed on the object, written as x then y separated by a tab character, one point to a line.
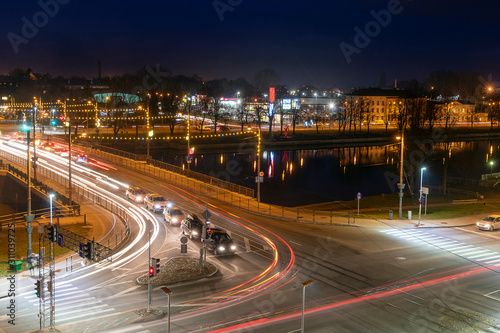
271	94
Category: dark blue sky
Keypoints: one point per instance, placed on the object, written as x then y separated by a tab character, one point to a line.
299	39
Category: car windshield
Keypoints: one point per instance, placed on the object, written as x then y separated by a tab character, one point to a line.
221	237
176	212
489	219
159	199
139	192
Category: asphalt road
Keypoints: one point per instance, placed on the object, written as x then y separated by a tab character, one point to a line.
365	279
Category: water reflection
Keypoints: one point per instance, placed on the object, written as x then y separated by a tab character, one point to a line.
298	177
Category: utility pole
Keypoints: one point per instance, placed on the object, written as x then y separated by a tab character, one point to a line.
401	186
69	165
28	217
258	165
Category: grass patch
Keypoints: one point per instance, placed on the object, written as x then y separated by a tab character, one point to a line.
437	212
21	243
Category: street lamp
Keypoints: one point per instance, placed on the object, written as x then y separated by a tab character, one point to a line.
491	168
420	198
304	285
50	200
167	292
401	186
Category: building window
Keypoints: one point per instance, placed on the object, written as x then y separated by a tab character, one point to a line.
378	102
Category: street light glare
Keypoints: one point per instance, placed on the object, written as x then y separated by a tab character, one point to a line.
52	195
424	168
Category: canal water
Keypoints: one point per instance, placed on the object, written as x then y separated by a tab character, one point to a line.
301	177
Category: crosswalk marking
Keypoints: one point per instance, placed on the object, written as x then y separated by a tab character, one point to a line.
470	252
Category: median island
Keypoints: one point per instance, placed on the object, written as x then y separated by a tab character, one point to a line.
180	269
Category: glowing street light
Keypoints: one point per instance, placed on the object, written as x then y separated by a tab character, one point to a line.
491	168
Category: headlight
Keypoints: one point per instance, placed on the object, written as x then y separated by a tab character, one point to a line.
174	219
194	232
157	206
169	205
233	247
221	248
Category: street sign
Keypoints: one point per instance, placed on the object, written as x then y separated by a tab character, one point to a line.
206	214
259	179
60	239
425	190
359	195
189	159
261	174
184	240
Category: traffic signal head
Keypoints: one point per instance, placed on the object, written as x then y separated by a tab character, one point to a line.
151	272
87	251
38	288
51	233
157	266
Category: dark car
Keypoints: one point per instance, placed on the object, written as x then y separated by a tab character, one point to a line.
219	242
192	226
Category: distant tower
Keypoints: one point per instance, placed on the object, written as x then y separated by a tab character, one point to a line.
382	80
99	70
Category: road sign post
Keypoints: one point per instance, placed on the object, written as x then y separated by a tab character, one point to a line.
359	198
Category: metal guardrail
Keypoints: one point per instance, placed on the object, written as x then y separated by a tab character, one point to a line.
440	189
85	193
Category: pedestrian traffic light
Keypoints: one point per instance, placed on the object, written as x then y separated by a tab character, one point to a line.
87	251
157	267
38	288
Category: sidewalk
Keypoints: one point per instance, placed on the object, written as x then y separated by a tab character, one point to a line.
410	224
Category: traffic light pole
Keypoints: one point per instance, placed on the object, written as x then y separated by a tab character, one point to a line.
149	275
28	217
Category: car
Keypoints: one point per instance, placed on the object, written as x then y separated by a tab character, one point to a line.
136	194
155	202
63	152
173	215
49	146
80	158
490	223
219	242
202	128
192	226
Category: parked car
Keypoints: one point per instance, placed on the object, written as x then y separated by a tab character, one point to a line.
192	226
173	215
136	194
219	242
155	202
490	223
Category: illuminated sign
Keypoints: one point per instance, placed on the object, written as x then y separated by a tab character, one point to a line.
289	103
271	110
272	94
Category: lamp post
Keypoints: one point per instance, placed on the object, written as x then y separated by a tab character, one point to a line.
304	285
491	168
167	292
420	198
401	186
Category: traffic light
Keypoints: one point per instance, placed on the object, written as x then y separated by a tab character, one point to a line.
151	271
52	233
53	122
38	288
157	267
87	251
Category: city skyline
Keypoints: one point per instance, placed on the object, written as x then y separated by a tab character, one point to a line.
325	45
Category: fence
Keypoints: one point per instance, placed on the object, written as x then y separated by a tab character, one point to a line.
86	193
239	196
440	189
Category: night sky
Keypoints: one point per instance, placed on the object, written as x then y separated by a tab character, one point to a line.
298	39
